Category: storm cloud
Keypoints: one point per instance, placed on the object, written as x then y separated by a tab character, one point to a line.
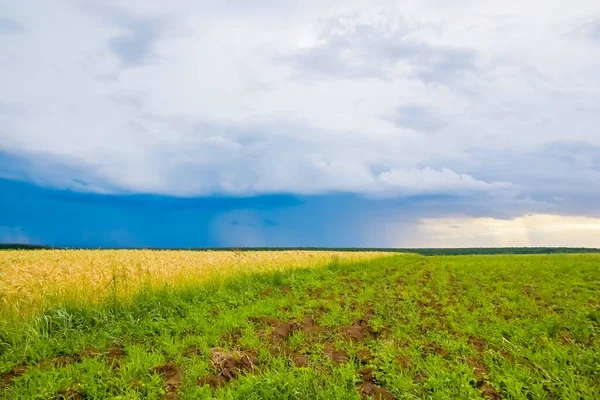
496	106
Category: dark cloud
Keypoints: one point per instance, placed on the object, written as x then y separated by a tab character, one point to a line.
8	26
239	127
416	117
572	152
244	6
11	109
135	44
559	177
378	51
66	173
592	29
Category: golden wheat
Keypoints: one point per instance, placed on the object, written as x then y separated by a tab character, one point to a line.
33	280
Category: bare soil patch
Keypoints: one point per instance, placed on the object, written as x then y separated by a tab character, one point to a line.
480	372
299	360
434	348
7	378
368	387
114	356
364	355
173	377
229	365
70	394
403	362
337	356
63	361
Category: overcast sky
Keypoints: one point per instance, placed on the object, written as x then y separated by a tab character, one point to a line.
491	108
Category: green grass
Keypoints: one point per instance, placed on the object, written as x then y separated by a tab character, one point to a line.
461	327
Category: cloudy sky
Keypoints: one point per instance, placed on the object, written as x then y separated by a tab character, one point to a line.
300	123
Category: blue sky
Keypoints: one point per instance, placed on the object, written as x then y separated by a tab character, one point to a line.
300	123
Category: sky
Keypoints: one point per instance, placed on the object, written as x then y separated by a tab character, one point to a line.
300	123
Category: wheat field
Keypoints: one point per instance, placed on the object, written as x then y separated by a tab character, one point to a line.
31	281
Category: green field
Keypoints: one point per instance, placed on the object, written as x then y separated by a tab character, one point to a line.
396	327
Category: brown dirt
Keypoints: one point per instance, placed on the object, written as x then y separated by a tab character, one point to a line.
383	333
308	322
359	331
355	283
232	364
63	361
284	309
229	366
310	327
315	293
426	278
321	309
114	356
436	305
452	279
480	372
282	330
213	380
566	339
478	344
356	333
432	303
266	293
539	300
364	355
488	392
528	290
366	374
337	356
277	348
299	360
192	351
286	289
434	348
368	387
70	394
370	390
479	369
364	321
403	362
233	337
425	327
173	377
504	313
7	378
90	352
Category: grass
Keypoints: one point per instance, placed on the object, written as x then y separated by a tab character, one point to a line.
401	326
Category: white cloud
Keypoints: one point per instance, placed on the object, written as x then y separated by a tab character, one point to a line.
539	230
427	179
195	98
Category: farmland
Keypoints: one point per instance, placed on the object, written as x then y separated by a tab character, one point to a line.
298	325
